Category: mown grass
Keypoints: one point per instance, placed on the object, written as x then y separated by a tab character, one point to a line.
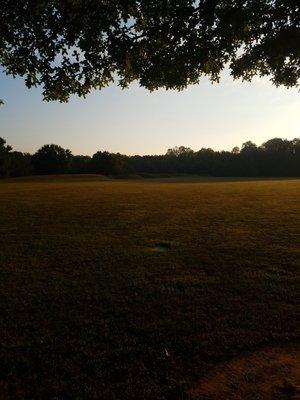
90	311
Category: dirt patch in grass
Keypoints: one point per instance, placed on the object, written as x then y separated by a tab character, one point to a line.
270	374
162	246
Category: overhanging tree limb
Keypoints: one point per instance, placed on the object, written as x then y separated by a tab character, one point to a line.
73	46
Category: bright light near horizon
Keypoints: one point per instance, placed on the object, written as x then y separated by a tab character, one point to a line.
135	121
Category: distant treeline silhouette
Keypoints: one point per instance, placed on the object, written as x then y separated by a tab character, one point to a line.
276	157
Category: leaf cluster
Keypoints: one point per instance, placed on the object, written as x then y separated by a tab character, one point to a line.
73	46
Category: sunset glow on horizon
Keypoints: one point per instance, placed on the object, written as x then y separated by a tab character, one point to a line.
135	121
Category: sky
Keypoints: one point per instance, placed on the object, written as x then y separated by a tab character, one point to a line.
135	121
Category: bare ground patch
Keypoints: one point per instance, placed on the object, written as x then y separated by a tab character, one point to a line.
269	374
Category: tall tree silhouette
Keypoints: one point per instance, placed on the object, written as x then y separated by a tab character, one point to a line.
4	158
51	159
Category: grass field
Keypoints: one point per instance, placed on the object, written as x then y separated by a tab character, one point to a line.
90	310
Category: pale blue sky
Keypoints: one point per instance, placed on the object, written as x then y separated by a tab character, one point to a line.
134	121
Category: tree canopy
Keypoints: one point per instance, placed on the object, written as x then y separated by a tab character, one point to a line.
72	46
51	158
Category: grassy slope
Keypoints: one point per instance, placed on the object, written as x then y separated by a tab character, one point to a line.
90	311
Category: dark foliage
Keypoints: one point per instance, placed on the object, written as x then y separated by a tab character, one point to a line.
4	158
106	163
20	164
276	157
13	163
51	159
80	164
72	46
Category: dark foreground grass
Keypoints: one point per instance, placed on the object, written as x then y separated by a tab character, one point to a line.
89	309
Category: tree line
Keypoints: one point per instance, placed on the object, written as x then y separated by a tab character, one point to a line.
276	157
